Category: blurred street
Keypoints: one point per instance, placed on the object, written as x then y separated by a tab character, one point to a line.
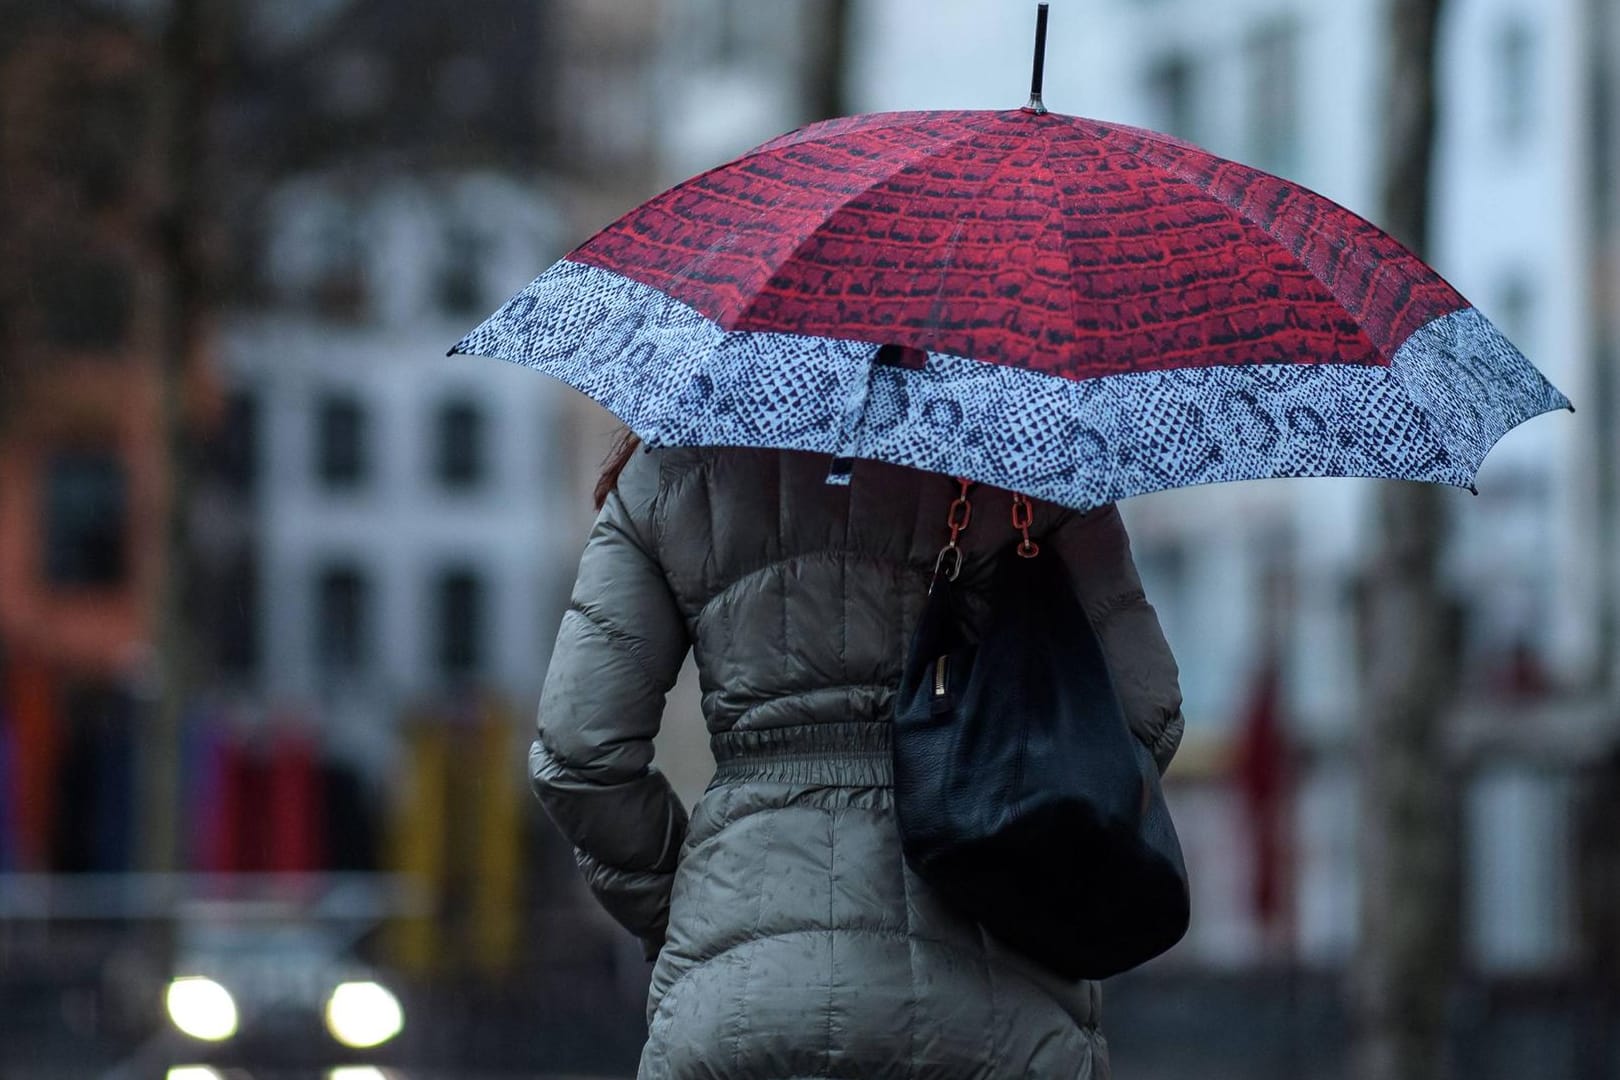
279	580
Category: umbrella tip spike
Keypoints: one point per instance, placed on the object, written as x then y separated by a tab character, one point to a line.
1472	490
1035	104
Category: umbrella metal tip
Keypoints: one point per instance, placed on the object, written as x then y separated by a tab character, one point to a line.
1038	76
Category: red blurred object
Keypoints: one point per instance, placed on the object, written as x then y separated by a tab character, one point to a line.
31	699
1263	772
1524	674
294	809
217	807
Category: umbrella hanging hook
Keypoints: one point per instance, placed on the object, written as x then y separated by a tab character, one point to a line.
1035	105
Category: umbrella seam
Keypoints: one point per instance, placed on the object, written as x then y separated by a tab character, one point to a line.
1178	170
964	136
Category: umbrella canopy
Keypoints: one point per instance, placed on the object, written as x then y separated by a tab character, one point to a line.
1077	310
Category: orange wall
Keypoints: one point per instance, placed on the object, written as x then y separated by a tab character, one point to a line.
102	405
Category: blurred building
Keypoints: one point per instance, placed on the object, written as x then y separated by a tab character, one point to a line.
1598	896
406	521
1255	577
397	509
81	283
650	92
408	505
1514	134
84	291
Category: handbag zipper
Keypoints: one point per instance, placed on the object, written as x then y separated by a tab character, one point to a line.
939	676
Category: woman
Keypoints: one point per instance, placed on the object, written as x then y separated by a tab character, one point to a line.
790	938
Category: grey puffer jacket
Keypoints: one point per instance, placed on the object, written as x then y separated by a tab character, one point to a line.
791	939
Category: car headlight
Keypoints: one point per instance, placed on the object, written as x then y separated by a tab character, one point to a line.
363	1014
202	1008
193	1072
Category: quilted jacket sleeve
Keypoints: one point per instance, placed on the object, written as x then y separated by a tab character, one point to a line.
618	652
1097	553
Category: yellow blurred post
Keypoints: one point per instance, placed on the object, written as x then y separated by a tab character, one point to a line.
497	841
417	843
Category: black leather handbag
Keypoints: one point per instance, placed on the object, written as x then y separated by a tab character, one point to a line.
1023	797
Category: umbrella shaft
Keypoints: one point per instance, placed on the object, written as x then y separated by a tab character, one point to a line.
1035	104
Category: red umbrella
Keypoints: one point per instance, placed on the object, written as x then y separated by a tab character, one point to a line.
1074	309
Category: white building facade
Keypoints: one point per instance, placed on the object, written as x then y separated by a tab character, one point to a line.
412	507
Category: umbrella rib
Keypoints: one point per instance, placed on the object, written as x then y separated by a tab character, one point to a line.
1178	170
879	122
964	135
889	120
1063	232
996	173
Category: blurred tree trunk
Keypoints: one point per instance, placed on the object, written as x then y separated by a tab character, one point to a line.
189	66
1406	966
1599	857
1604	65
829	56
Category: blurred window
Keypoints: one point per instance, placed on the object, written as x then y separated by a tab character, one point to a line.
466	86
461	445
1164	566
341	289
1514	81
556	464
84	303
1273	105
86	520
109	118
461	282
236	445
461	613
1516	309
729	32
353	84
341	441
1171	87
237	621
342	620
1520	866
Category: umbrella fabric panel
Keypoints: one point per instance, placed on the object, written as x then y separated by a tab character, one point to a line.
677	378
1061	245
1388	291
655	362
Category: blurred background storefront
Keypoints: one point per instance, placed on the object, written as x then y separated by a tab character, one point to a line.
222	351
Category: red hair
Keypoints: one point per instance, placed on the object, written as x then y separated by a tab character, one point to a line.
623	447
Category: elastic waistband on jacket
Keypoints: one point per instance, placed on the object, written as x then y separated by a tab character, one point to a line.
856	754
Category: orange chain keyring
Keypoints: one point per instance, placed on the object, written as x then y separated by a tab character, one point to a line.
961	514
1023	514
